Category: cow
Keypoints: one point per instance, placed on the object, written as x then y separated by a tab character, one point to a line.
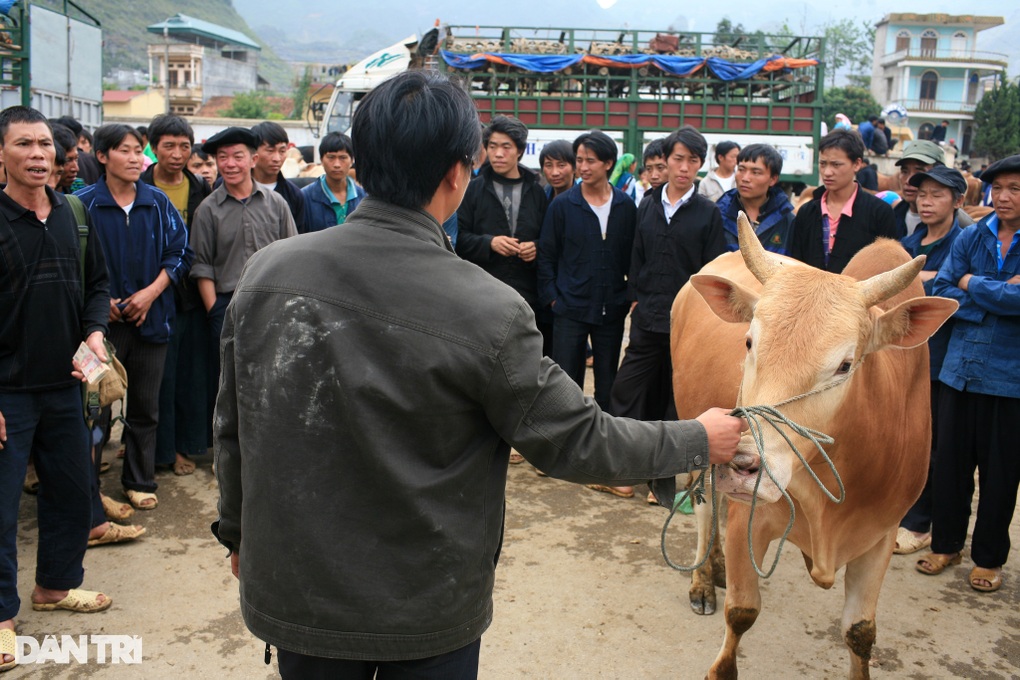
753	328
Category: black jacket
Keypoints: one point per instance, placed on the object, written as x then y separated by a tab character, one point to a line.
295	199
900	214
480	217
665	254
872	217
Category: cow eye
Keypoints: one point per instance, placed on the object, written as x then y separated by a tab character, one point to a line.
747	343
844	368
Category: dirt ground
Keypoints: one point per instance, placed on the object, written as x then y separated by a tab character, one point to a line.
582	591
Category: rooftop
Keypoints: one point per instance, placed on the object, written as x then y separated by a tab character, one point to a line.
182	26
120	96
979	23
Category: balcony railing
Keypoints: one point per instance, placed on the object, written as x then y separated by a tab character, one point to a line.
916	106
946	55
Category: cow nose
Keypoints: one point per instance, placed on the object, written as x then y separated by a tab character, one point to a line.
745	462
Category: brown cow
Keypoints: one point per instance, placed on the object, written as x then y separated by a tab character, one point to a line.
781	329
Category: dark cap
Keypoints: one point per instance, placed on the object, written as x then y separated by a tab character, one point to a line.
945	176
1007	164
229	136
925	151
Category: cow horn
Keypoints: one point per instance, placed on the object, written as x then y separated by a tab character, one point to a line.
752	251
883	286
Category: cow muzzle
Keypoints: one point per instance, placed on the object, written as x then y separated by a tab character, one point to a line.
738	478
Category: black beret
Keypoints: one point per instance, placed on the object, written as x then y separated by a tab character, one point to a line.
229	136
1007	164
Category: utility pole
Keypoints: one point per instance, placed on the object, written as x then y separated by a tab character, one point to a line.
166	64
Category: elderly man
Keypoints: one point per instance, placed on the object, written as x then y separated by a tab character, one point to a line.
373	383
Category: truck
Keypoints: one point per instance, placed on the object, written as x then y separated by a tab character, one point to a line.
51	59
634	85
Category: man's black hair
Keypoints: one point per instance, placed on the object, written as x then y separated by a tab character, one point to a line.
872	118
559	150
335	142
655	149
86	135
20	114
723	148
880	121
766	153
70	123
169	125
850	141
599	143
64	137
143	131
690	138
60	156
509	126
268	132
197	150
111	135
409	132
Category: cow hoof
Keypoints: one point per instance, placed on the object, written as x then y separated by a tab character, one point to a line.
703	601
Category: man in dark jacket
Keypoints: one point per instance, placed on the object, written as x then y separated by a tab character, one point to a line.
840	219
374	469
270	153
500	218
766	205
188	391
919	156
331	199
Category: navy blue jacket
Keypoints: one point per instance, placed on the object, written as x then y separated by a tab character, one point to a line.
775	220
982	356
137	247
938	343
583	273
319	213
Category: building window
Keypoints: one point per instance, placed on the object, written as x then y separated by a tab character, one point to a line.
972	88
968	137
903	41
924	132
888	89
959	45
929	90
929	43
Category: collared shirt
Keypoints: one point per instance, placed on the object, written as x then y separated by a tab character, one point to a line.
830	222
226	232
341	210
671	208
993	226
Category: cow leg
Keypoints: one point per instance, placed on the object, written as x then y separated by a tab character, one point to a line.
702	592
743	597
864	577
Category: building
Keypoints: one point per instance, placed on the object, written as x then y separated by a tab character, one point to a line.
928	64
132	104
197	60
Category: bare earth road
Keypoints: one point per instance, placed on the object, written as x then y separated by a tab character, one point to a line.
582	592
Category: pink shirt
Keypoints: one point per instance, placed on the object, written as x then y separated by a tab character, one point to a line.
848	210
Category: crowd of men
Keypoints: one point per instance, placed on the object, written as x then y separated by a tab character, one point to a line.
172	226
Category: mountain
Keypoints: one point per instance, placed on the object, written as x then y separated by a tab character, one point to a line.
125	38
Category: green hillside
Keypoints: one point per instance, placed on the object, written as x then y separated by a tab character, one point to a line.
125	38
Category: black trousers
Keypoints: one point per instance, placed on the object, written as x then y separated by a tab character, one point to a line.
460	664
918	518
975	431
643	389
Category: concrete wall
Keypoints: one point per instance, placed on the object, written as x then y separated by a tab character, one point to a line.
945	34
223	77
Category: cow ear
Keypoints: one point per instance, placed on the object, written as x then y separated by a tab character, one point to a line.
730	301
911	323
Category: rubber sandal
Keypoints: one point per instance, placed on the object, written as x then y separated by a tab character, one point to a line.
650	499
993	576
610	489
8	645
80	601
937	563
104	467
114	510
118	533
140	500
907	542
31	482
516	458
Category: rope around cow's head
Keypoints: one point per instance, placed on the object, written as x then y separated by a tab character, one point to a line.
773	417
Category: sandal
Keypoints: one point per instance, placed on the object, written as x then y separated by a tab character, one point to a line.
118	533
979	576
104	467
80	601
8	646
31	482
516	458
114	510
610	489
141	500
937	563
907	542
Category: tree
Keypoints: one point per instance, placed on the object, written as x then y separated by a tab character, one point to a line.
848	46
855	102
248	105
997	122
301	88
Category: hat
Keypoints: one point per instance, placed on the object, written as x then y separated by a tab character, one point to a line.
1007	164
923	150
945	176
231	135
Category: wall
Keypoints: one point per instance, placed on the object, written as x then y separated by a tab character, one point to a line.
223	77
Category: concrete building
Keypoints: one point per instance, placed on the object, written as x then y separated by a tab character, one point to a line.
928	64
197	60
133	104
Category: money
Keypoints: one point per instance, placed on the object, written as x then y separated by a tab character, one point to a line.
89	364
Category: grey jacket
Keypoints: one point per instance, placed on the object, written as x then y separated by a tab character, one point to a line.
372	385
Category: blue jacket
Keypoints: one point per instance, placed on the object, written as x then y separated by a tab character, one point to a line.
982	356
867	131
775	224
938	344
137	247
585	274
319	213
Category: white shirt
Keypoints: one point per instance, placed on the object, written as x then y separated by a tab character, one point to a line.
671	208
602	212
